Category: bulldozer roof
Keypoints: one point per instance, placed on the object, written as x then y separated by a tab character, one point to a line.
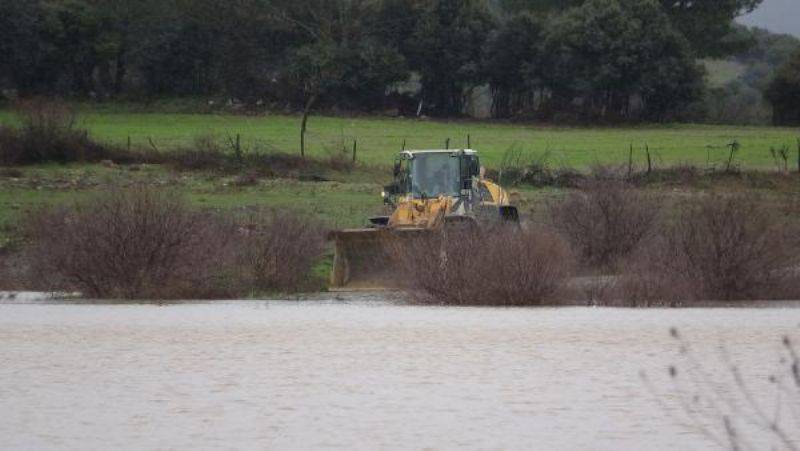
409	154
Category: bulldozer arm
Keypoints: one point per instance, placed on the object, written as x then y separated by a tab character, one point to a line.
367	259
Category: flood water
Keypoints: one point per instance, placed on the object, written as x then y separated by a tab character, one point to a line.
371	375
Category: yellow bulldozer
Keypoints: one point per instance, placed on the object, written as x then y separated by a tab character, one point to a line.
432	191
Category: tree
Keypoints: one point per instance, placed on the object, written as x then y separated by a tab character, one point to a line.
26	53
73	27
342	58
239	43
709	24
445	49
513	63
768	48
784	93
612	53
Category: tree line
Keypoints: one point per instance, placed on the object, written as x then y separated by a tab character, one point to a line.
551	59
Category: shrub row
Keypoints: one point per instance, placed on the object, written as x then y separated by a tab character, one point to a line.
726	248
47	134
142	243
637	249
708	247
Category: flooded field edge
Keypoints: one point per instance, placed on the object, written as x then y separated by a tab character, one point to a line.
380	297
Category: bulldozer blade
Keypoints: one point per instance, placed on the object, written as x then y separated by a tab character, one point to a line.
367	259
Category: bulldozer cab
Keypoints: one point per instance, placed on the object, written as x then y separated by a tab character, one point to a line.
433	173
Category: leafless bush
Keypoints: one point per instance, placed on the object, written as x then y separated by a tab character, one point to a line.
501	266
208	154
249	178
339	158
725	407
47	134
46	115
11	274
204	154
280	250
681	174
720	248
605	221
133	244
649	278
519	168
11	149
12	173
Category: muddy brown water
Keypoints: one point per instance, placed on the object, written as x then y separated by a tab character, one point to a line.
368	374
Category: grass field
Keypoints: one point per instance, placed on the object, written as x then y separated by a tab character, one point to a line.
337	204
353	196
380	138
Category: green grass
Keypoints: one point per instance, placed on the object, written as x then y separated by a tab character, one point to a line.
352	197
379	139
336	204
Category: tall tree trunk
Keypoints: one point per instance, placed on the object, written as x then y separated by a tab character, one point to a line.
119	75
121	67
304	122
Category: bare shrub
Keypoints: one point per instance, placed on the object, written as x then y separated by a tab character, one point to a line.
649	278
605	221
280	250
207	154
519	168
732	405
680	174
134	244
47	134
565	177
721	248
204	154
339	158
46	115
11	271
11	148
12	173
503	266
249	178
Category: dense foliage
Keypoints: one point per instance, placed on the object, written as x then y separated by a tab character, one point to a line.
742	100
573	59
784	92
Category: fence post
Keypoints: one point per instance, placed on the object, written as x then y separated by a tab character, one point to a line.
355	147
734	147
630	161
649	160
469	144
239	147
404	145
152	144
447	144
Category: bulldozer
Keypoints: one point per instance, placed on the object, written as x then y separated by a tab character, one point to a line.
433	191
